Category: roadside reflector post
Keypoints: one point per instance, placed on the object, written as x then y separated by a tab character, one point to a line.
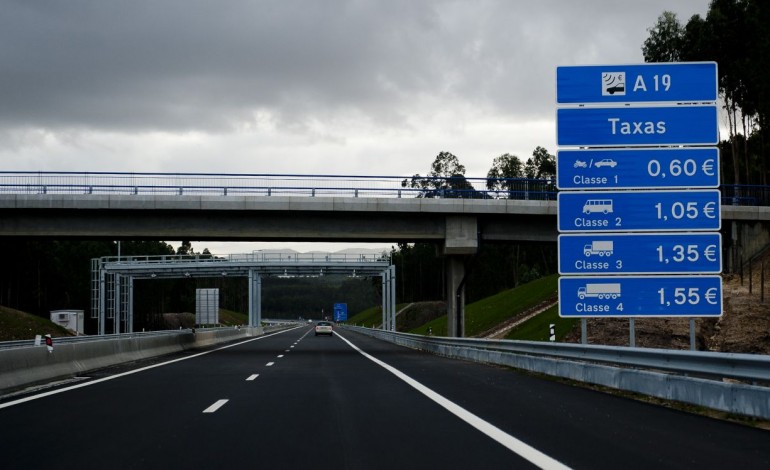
552	332
692	334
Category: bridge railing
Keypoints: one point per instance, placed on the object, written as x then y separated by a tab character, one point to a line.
210	184
745	195
213	184
257	256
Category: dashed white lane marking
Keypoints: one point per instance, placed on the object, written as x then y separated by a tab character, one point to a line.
217	405
270	364
287	350
525	451
280	356
252	377
291	346
141	369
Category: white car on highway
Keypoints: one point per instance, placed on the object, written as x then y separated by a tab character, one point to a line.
323	328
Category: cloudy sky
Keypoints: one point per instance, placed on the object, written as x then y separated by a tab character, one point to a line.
296	86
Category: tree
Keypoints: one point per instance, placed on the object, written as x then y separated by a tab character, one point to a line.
542	165
504	169
730	35
185	248
665	41
446	179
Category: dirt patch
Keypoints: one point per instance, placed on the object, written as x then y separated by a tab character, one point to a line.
418	314
173	321
743	328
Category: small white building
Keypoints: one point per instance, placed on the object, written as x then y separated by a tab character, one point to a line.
69	319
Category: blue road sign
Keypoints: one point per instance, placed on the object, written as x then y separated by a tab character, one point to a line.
638	168
623	127
658	253
634	211
340	312
647	296
656	82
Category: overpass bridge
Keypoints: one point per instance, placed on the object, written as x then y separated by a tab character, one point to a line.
456	213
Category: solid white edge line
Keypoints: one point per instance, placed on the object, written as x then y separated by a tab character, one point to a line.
104	379
252	377
525	451
217	405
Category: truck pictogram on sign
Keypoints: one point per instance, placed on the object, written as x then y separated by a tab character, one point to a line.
599	247
601	291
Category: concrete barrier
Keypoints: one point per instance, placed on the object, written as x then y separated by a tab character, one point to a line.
23	367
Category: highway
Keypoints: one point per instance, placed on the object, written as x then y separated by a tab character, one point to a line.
294	400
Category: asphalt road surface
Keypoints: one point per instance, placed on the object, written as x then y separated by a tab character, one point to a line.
293	400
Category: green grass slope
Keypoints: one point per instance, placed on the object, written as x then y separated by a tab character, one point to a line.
231	318
538	328
486	313
370	317
17	325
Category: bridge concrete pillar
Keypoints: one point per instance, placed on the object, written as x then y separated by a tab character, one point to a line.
385	299
389	299
461	241
461	235
255	298
455	291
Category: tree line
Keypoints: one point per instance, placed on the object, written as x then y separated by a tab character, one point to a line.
496	267
736	36
508	177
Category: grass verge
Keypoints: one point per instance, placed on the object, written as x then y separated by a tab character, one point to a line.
538	328
487	313
370	317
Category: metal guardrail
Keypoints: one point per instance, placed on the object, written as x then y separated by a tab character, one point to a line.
714	365
700	378
30	343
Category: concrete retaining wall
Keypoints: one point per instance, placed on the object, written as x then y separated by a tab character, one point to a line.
27	366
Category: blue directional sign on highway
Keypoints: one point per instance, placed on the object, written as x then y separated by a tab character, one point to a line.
623	127
622	253
640	296
634	211
340	312
672	82
638	168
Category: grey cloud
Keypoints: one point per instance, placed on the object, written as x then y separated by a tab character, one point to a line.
202	65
